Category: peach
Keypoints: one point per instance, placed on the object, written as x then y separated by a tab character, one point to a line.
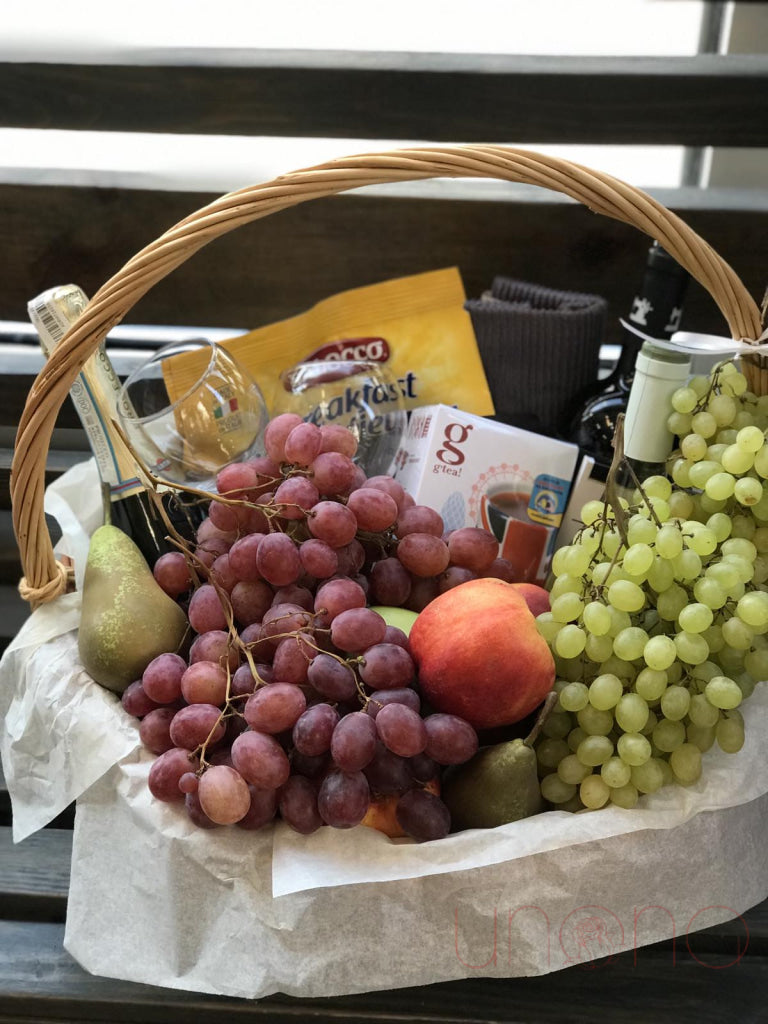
480	656
537	598
381	812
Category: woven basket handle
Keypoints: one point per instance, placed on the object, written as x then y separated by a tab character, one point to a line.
44	577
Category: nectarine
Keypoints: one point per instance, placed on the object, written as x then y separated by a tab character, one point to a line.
536	597
479	654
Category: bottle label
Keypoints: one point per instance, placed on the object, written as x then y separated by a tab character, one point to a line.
94	392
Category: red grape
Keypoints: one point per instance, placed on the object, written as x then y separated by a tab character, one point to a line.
298	805
223	795
423	554
401	729
422	815
275	708
161	678
353	743
172	573
356	629
260	760
450	740
167	769
343	799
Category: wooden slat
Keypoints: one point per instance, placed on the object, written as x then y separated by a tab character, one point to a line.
39	981
283	264
694	101
34	875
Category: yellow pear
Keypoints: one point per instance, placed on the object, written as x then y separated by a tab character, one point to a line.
127	619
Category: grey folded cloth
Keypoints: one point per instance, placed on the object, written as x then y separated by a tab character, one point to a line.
540	349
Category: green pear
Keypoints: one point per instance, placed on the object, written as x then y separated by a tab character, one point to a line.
126	619
499	784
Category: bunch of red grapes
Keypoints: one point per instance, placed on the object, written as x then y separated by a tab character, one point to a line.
295	698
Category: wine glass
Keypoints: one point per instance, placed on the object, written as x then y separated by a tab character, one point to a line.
361	395
190	410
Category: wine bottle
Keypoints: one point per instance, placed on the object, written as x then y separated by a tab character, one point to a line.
127	502
656	312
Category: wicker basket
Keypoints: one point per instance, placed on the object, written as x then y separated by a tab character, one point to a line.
45	578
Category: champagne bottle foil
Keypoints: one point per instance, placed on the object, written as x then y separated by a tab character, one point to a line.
540	349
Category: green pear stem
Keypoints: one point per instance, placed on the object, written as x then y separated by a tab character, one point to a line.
549	702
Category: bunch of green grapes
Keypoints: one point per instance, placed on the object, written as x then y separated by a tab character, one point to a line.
659	610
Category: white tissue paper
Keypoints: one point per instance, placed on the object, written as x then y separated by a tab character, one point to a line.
154	899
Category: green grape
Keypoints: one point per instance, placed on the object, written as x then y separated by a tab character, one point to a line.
700	384
723	573
704	423
730	733
685	763
659	653
648	777
596	618
692	648
660	508
706	670
624	796
700	472
703	541
605	573
707	506
736	460
684	399
680	505
595	722
591	511
570	641
701	736
674	673
612	541
761	462
598	648
557	725
743	526
641	530
631	713
651	683
593	792
547	626
657	486
695	618
550	752
734	384
567	607
693	447
751	439
746	684
558	561
650	723
687	565
572	771
669	541
619	620
760	539
701	712
745	567
723	408
626	596
723	692
679	423
731	661
738	634
633	748
675	702
594	750
566	584
574	697
630	643
721	525
668	735
720	486
709	592
574	738
756	663
604	692
555	791
661	575
615	773
577	559
748	491
638	559
572	805
625	670
681	472
669	776
752	608
727	436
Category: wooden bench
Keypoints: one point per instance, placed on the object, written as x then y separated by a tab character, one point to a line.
282	265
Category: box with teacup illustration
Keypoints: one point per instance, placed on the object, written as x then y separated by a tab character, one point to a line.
478	472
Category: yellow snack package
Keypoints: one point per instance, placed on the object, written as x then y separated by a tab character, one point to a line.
417	326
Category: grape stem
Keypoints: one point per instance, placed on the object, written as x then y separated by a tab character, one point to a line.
611	492
546	709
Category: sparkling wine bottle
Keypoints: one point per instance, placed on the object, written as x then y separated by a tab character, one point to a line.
655	313
127	503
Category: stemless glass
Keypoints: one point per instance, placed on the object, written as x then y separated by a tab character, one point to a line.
361	395
191	409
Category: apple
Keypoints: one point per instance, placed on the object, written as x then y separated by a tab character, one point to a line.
480	655
402	618
536	597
